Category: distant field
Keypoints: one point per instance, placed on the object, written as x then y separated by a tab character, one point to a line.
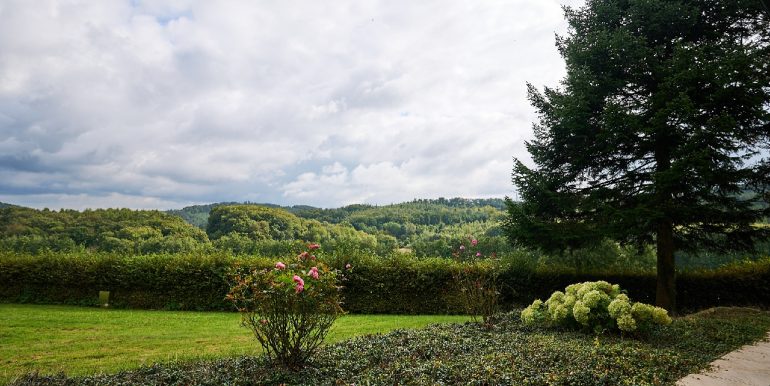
80	341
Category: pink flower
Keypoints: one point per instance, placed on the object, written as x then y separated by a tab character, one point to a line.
263	321
303	255
312	257
299	288
313	273
348	266
478	254
299	280
462	247
474	242
280	265
313	246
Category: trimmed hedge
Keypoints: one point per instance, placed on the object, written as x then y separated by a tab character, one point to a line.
179	282
396	285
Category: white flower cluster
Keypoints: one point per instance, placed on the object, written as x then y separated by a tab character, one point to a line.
598	305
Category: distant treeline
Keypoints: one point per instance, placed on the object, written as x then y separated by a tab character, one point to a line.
109	230
422	228
419	212
426	227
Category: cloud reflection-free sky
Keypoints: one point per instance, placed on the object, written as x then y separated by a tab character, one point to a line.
161	104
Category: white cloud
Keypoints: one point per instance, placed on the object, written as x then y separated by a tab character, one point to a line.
92	201
290	102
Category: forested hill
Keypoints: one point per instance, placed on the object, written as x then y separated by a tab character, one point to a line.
440	211
198	215
4	205
141	231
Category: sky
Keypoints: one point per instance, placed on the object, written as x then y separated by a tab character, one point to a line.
163	104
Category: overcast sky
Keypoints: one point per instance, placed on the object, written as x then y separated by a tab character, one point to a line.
162	104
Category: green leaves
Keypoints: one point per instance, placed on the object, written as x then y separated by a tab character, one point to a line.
289	307
597	306
657	132
660	97
109	230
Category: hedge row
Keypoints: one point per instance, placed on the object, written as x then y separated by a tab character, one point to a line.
393	286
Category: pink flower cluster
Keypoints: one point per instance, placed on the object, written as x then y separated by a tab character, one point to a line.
305	255
462	248
300	284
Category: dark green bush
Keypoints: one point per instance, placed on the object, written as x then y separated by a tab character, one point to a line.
179	281
398	284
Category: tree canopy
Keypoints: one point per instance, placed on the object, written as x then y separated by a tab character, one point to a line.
114	230
659	133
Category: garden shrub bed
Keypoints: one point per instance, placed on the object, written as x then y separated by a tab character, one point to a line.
394	285
510	354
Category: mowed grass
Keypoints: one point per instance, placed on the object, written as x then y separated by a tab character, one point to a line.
79	341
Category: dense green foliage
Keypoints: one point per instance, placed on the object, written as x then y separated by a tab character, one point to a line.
398	284
656	134
258	230
511	354
421	212
239	227
197	215
254	222
109	230
428	227
594	306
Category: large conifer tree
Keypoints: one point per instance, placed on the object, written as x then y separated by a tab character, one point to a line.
658	134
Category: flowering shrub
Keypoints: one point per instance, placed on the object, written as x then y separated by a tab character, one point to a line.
594	305
477	283
290	307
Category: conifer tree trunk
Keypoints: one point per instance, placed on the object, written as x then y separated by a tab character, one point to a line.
666	289
665	294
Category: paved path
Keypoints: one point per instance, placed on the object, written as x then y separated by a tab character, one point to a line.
747	366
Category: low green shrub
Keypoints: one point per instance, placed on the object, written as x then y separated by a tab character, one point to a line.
290	307
598	306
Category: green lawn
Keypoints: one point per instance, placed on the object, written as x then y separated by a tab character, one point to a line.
81	341
511	353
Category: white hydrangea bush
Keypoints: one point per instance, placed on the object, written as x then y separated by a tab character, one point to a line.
596	305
